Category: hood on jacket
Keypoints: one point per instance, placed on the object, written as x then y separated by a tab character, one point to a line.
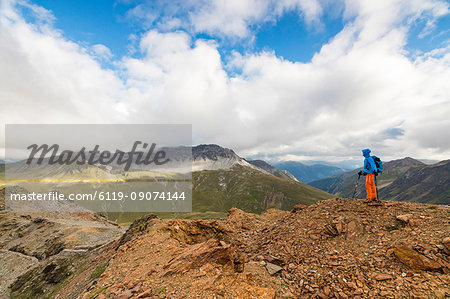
366	152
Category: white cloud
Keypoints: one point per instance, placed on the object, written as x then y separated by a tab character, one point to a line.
102	51
360	90
46	79
225	18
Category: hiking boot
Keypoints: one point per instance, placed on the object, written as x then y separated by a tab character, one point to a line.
369	200
375	202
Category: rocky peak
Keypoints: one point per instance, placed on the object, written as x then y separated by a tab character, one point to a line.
212	152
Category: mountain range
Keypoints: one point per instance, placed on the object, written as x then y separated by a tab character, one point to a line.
261	164
404	179
426	184
221	180
309	173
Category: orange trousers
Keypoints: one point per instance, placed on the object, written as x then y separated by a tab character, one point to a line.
370	186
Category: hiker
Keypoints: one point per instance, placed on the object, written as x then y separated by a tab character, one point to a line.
370	171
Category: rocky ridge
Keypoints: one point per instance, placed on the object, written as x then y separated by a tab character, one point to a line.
215	157
337	248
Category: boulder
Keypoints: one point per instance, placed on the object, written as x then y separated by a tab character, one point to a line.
198	255
339	225
405	217
272	268
415	260
274	260
336	228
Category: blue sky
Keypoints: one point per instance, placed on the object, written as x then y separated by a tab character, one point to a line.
104	22
108	23
93	22
287	79
438	37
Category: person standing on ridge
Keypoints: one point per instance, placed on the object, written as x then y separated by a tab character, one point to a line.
370	171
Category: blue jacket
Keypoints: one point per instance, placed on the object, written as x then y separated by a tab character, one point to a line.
369	163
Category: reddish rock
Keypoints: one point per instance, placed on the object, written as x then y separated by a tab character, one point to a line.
381	276
446	242
415	260
314	237
321	295
272	268
414	222
352	285
274	260
298	208
339	227
198	255
440	294
145	294
351	226
405	218
125	295
258	292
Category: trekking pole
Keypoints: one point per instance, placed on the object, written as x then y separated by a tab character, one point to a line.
376	186
356	186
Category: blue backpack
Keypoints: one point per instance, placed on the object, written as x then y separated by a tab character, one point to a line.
378	164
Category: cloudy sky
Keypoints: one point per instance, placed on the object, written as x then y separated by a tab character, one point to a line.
286	79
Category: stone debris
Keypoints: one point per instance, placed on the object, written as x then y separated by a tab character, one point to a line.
298	208
337	248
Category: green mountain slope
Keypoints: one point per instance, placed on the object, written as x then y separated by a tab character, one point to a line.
427	184
250	190
272	170
216	191
344	184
